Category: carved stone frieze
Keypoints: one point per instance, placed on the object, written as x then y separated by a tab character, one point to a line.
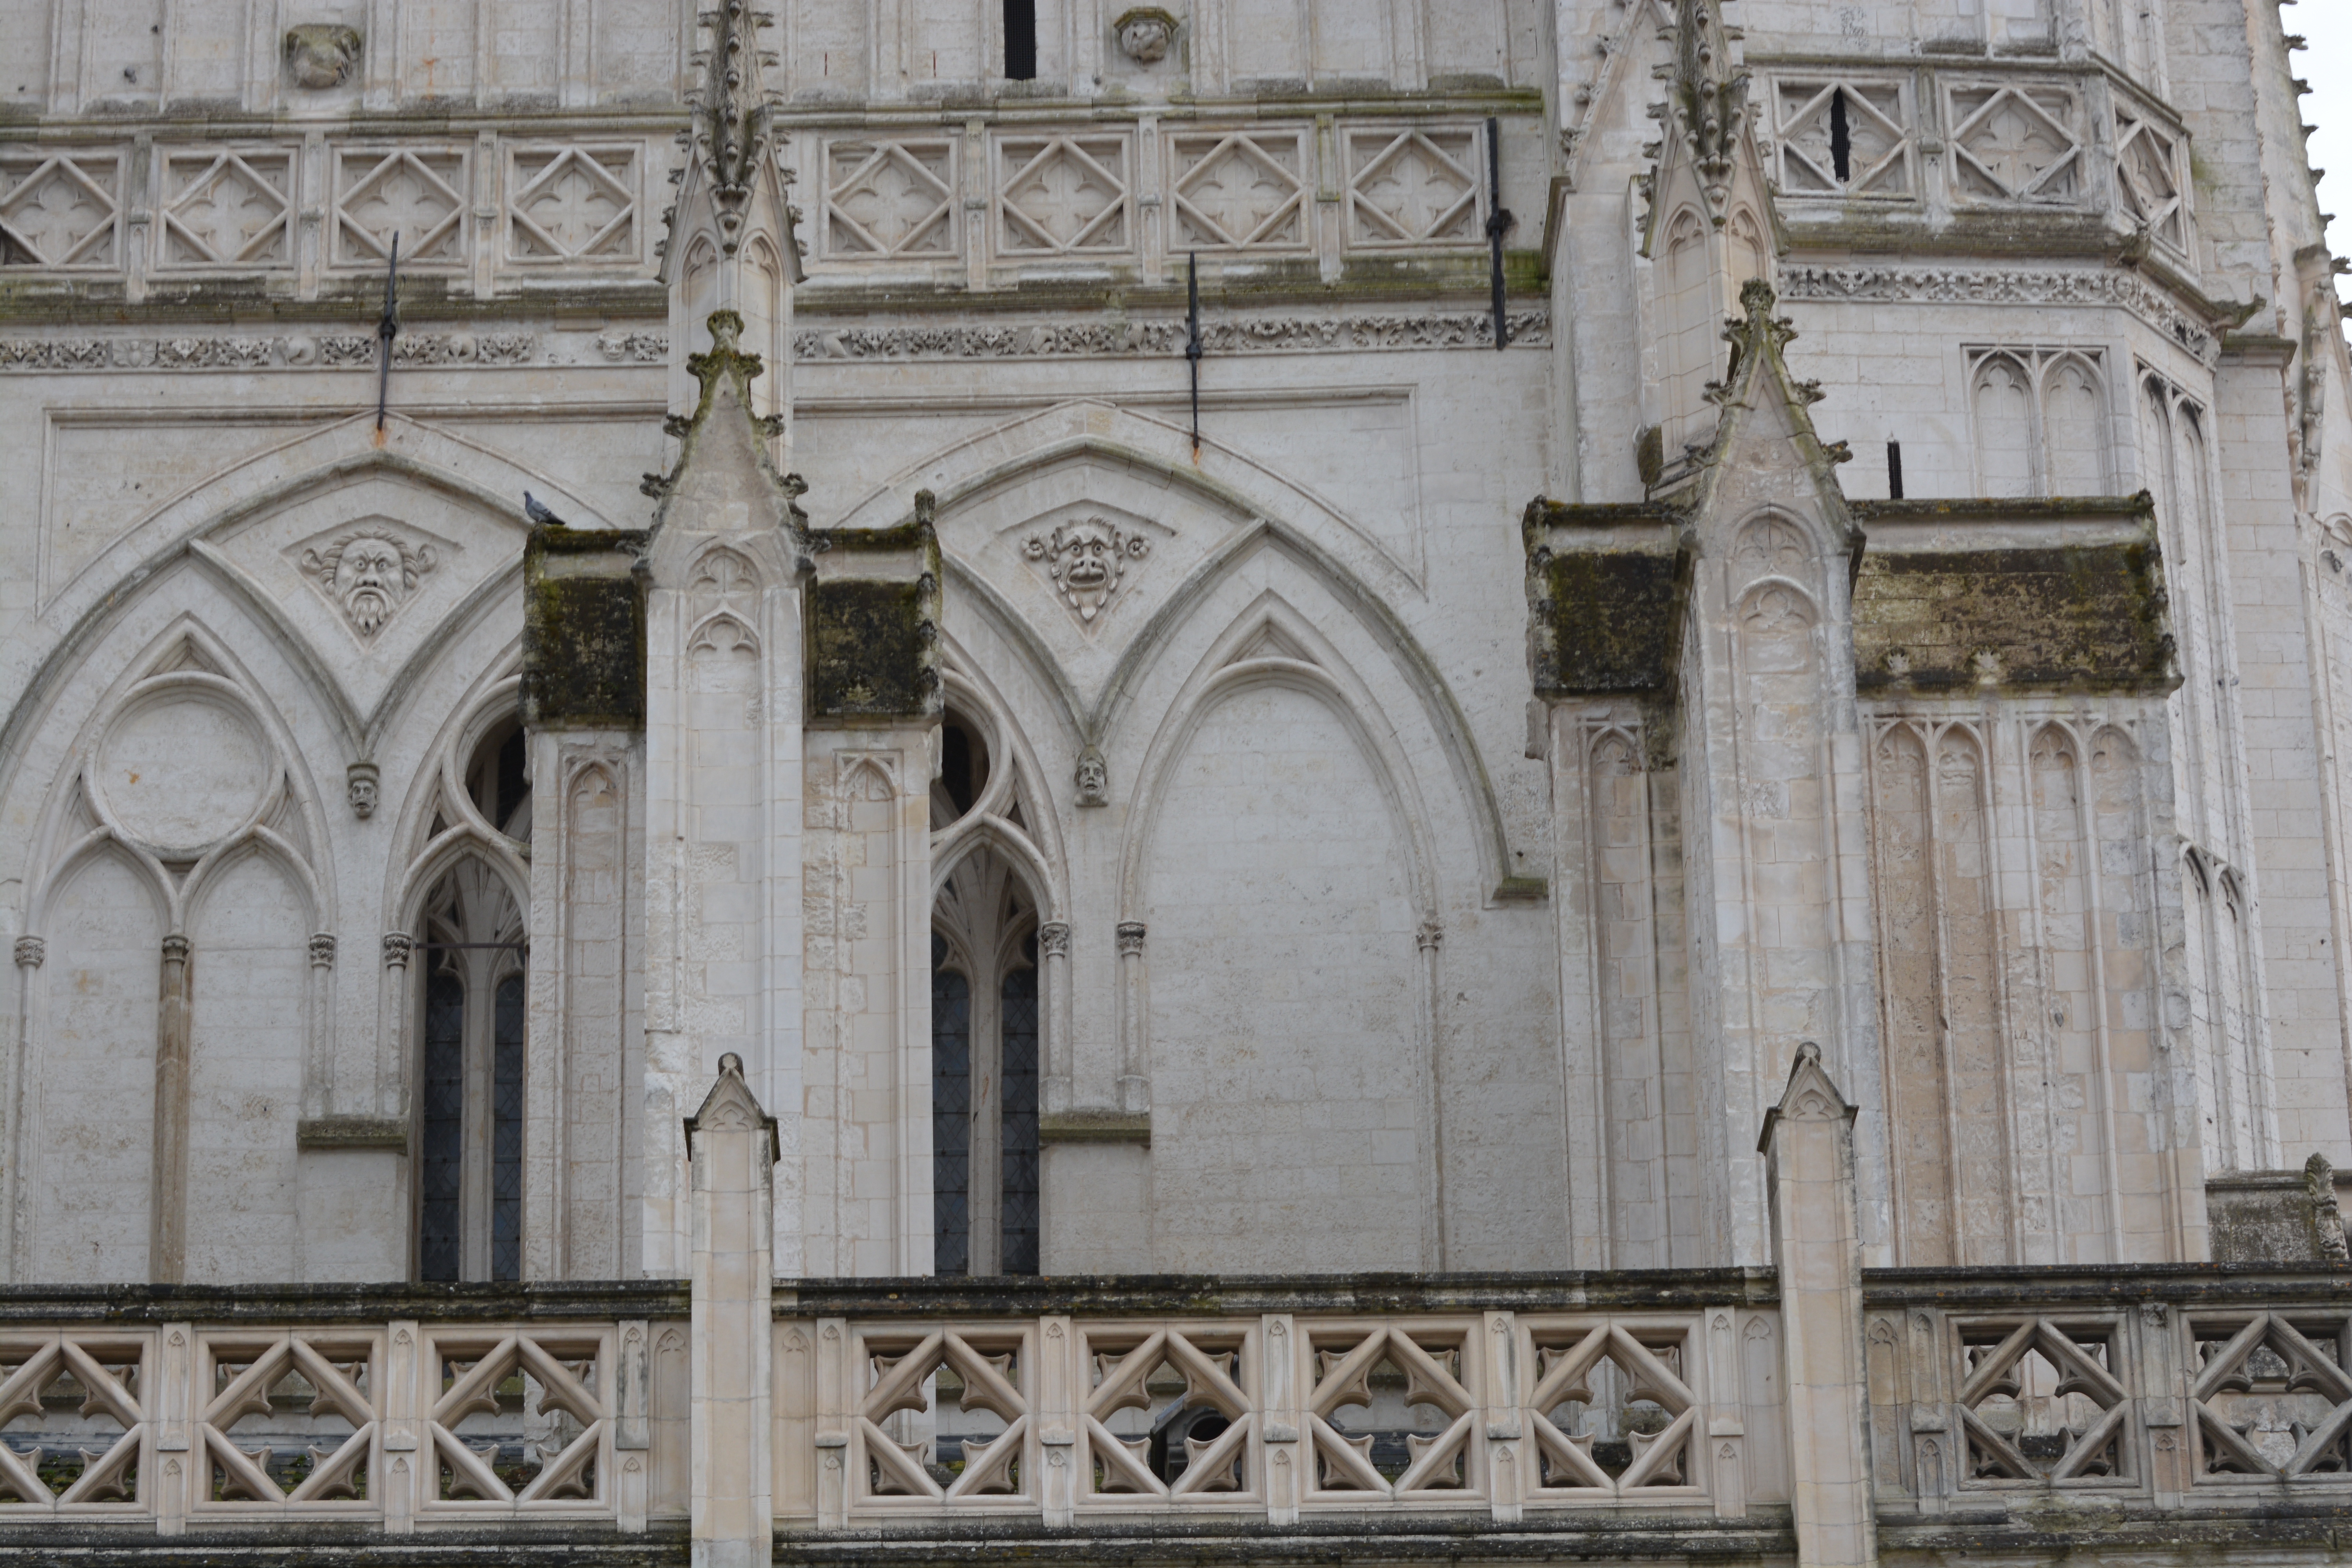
1248	334
2003	286
300	351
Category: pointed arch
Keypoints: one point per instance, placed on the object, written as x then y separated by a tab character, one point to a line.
1329	681
1266	507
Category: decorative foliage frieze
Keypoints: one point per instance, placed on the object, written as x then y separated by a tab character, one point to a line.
1264	334
334	351
1991	286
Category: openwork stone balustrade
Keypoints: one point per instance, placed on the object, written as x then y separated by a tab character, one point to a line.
2150	1400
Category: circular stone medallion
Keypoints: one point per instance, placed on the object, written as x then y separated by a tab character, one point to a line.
183	770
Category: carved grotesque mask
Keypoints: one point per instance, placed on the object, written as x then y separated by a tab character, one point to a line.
1088	562
1145	35
368	575
320	57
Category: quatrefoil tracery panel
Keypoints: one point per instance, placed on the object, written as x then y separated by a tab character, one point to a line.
573	204
415	192
1622	1386
889	198
1239	192
1363	1369
1192	1391
2149	179
2016	144
226	207
2271	1398
72	1421
1414	187
2040	1402
519	1423
1063	195
289	1419
59	209
980	1375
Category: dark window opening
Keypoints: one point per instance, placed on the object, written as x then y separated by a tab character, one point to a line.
506	1132
951	1115
1021	41
1018	1075
441	1178
499	779
1841	138
1895	470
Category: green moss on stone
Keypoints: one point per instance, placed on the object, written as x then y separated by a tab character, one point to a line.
583	630
868	649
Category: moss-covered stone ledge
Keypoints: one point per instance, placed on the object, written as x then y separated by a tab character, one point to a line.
2053	595
584	629
874	621
1606	588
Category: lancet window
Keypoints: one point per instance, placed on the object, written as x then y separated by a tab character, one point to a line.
470	962
985	1033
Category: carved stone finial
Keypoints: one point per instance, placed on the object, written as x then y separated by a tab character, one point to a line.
31	952
360	781
731	1066
1131	937
322	951
1093	778
321	55
397	947
1145	34
1054	938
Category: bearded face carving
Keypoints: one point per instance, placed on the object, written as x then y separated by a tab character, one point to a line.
1087	561
368	573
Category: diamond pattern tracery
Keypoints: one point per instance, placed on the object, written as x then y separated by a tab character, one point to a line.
72	1420
1609	1410
2148	183
1239	192
2040	1401
573	204
1413	187
1879	142
226	207
889	198
2016	144
59	209
1063	194
2271	1398
413	193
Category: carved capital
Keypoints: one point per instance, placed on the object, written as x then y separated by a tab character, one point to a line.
1131	937
1430	937
175	949
397	946
1054	938
322	951
30	951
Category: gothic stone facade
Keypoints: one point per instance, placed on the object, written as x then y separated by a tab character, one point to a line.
1688	543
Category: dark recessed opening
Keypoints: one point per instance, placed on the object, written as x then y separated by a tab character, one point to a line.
1841	138
1021	40
1895	470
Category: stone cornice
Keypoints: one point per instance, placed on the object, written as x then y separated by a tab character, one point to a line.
1116	338
2004	286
